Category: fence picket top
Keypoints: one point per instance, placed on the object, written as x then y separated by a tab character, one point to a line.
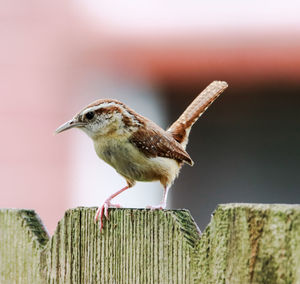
244	243
30	221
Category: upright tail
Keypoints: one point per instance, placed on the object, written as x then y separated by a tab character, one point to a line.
181	128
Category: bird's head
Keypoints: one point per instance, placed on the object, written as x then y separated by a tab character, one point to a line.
104	117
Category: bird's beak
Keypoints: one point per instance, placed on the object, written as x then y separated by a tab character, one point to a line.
69	124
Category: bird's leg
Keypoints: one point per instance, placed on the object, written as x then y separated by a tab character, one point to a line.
163	203
103	210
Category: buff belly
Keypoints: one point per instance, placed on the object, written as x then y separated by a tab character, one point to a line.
133	164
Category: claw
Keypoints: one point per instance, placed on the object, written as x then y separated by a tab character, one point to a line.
97	215
157	207
163	203
106	205
103	212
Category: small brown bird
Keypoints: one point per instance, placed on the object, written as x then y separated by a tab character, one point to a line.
136	147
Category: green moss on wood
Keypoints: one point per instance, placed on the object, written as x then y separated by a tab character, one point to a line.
250	243
244	243
135	246
22	236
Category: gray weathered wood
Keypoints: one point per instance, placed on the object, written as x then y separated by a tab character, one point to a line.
244	243
247	243
136	246
22	237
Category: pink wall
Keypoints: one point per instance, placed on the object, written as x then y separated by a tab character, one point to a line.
45	47
36	52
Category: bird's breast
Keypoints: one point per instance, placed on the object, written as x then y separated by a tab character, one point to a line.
131	163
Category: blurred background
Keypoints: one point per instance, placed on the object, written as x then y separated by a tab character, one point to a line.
57	56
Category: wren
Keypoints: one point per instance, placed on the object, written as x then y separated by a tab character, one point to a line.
135	146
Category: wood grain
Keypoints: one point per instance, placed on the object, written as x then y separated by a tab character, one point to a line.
244	243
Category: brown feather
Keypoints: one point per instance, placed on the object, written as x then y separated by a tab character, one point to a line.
117	108
181	127
153	141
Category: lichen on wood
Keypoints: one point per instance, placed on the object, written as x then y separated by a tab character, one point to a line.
244	243
250	243
22	237
135	246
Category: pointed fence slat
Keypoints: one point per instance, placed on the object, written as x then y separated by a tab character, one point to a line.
244	243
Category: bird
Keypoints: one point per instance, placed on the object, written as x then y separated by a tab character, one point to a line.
136	147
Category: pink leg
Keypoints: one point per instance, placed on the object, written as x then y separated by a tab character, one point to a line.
103	210
163	203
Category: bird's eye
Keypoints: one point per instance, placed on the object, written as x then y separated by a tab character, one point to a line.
90	115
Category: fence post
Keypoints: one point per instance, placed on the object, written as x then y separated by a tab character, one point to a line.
22	237
244	243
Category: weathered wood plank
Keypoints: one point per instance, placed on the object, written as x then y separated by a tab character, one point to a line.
244	243
250	243
22	238
136	246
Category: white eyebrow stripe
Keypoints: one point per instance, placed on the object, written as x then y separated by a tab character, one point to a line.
103	105
109	104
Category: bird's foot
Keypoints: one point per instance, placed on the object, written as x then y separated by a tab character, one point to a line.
157	207
103	211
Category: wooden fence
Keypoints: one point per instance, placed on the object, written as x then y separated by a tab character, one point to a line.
244	243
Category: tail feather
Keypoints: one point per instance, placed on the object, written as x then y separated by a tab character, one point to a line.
180	129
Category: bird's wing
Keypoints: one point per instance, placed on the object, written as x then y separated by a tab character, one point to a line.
155	142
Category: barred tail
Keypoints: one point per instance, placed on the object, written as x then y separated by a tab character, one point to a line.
180	129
